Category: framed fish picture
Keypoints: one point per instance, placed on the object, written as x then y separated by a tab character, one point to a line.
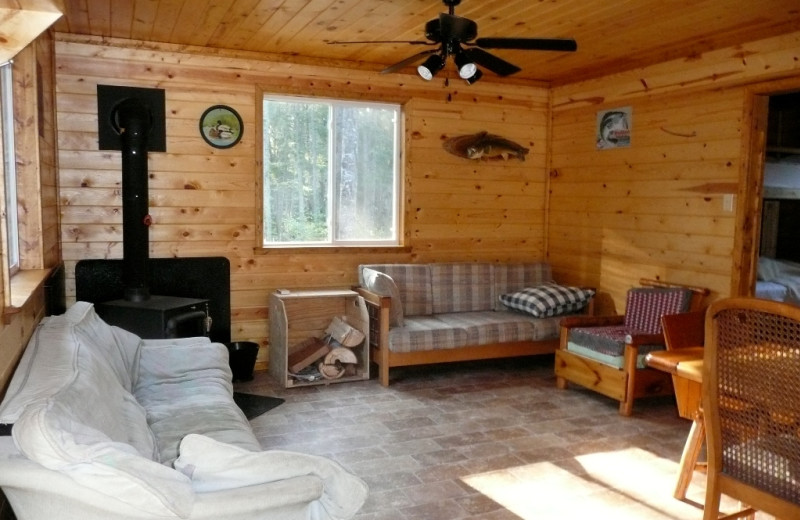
221	126
614	128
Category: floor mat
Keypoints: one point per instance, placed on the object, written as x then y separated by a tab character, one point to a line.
254	405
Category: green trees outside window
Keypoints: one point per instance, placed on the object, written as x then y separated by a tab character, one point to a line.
330	172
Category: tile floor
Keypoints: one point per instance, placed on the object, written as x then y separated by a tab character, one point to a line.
492	440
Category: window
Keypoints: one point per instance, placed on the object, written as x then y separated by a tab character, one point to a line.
9	167
331	172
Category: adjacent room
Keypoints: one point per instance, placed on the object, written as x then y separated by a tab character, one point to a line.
365	240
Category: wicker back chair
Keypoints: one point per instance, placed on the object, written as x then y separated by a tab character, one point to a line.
751	382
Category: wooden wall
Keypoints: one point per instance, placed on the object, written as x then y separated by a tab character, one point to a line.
203	200
604	217
24	306
657	209
37	165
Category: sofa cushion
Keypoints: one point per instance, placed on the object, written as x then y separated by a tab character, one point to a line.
422	333
94	399
68	433
118	348
185	387
414	285
46	366
215	466
79	350
548	300
485	327
382	284
461	287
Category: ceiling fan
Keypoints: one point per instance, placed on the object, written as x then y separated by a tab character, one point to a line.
451	34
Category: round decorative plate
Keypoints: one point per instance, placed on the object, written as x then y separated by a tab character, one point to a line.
221	126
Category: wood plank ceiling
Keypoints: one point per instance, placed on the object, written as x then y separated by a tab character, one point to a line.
611	36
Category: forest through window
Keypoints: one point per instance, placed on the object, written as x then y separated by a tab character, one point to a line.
331	172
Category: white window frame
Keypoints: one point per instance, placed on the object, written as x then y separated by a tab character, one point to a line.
394	240
10	206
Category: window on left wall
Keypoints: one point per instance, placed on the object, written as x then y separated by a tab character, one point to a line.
9	201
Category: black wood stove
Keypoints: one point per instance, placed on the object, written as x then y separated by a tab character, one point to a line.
158	316
133	114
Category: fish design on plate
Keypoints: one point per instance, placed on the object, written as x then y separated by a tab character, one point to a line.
485	146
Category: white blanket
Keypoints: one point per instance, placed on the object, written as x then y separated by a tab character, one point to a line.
781	272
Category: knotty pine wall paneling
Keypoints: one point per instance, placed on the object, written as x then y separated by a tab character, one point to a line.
657	209
203	200
35	134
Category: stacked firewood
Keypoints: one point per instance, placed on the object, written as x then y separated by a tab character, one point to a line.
332	353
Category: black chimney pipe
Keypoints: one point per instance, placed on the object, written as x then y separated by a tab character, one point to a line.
133	120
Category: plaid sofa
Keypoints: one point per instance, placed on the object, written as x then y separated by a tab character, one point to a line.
442	306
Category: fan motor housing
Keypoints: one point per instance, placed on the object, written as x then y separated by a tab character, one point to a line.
467	30
432	30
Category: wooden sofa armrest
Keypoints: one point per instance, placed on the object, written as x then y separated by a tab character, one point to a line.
373	298
378	308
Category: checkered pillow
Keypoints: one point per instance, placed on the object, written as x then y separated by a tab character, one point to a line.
548	300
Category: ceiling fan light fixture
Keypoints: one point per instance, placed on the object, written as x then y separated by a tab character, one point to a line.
475	77
466	68
430	67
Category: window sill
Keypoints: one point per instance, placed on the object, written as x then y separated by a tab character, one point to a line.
330	250
24	284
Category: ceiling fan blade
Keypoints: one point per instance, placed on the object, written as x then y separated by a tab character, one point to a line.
412	42
534	44
498	66
408	61
454	27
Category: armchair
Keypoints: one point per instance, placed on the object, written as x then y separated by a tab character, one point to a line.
751	379
606	353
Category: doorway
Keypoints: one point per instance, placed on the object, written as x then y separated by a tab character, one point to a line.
769	192
778	271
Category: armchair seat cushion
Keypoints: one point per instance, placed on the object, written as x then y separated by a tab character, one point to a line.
607	344
644	308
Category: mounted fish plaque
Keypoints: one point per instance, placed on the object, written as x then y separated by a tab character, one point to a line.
484	146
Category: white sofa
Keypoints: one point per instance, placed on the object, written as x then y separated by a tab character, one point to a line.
107	425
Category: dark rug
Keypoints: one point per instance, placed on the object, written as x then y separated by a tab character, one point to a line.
254	405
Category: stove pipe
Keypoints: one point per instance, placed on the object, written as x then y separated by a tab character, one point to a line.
133	120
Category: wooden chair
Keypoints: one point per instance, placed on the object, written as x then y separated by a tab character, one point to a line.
751	382
602	353
684	335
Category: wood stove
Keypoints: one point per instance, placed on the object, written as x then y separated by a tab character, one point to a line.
195	278
126	118
158	316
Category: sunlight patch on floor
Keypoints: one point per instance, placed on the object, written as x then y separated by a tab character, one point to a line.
626	484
